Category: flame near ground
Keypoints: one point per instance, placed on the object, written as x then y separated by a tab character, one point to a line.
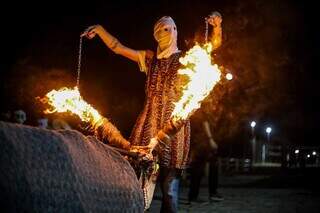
70	100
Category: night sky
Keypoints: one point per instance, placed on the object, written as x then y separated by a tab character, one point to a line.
39	43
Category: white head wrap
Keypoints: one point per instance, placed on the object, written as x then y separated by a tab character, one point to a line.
165	33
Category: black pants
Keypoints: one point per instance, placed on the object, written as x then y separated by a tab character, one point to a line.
213	175
197	172
169	183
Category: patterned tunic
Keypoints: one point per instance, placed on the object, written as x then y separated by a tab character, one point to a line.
161	91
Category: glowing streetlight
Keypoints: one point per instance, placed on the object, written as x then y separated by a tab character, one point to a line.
314	153
268	131
296	151
253	124
264	148
229	76
308	156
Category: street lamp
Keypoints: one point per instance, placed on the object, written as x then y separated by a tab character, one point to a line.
268	131
253	124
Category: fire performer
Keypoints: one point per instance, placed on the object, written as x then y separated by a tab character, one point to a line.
162	91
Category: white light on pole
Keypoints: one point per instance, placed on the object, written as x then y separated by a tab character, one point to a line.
314	153
253	124
268	131
264	148
296	151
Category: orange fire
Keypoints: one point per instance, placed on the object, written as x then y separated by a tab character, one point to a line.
70	100
202	74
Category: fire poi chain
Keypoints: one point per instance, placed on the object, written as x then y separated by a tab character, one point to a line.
202	75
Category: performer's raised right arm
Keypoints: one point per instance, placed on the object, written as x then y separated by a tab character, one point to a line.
215	20
111	42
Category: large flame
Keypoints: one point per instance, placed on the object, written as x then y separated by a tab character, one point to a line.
70	100
203	76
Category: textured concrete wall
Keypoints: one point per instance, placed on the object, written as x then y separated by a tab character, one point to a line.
63	171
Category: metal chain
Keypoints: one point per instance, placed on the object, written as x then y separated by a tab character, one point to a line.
79	62
206	33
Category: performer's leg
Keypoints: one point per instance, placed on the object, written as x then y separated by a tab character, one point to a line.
169	183
213	179
213	175
197	171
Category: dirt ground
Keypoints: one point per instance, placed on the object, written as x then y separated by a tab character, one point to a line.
296	192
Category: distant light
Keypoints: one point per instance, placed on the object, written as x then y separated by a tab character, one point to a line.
308	156
268	130
314	153
229	76
253	124
296	151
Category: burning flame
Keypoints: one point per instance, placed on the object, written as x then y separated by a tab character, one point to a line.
203	76
70	100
